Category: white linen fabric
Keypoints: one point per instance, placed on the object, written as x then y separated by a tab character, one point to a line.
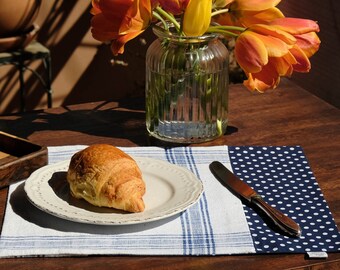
215	225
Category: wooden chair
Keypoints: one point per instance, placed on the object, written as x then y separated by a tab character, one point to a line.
21	59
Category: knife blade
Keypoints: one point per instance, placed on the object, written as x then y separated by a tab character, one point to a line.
242	189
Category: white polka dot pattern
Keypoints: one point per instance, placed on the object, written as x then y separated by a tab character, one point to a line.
282	176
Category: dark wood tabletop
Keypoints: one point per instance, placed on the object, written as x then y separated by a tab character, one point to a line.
288	115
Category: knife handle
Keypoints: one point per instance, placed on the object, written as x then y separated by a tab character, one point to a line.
281	220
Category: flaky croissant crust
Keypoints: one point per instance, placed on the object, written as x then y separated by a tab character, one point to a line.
104	175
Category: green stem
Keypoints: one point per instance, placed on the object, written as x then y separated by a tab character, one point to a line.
226	30
226	27
159	17
219	11
223	32
166	15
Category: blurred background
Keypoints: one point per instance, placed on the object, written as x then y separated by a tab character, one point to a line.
84	70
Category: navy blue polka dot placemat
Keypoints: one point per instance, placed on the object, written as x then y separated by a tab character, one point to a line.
283	177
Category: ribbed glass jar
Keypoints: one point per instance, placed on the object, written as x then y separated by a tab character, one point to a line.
187	87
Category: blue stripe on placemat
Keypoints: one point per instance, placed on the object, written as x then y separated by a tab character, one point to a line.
283	177
197	228
196	222
203	204
170	159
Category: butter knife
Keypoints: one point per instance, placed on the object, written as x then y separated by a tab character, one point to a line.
286	224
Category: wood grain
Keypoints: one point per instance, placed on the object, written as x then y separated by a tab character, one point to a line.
19	158
286	116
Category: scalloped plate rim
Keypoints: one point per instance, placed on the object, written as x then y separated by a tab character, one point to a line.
35	184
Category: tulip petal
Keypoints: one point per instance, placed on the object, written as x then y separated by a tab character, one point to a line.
137	17
117	45
250	52
175	7
274	46
303	64
95	7
114	9
268	78
309	43
255	5
102	29
220	3
119	21
273	31
227	18
197	17
248	18
295	26
283	65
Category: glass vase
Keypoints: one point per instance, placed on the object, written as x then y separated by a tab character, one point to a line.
187	87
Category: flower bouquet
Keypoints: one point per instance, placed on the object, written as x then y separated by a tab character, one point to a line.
186	80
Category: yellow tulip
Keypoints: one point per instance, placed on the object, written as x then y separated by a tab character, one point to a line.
197	17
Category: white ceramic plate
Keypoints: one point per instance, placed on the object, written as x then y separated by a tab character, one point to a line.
170	189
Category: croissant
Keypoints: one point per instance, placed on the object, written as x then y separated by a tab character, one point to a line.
104	175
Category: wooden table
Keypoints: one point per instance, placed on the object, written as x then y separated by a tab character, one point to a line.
287	116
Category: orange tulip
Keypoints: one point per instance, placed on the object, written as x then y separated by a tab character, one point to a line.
220	3
267	52
247	12
254	5
95	7
303	30
118	21
175	7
